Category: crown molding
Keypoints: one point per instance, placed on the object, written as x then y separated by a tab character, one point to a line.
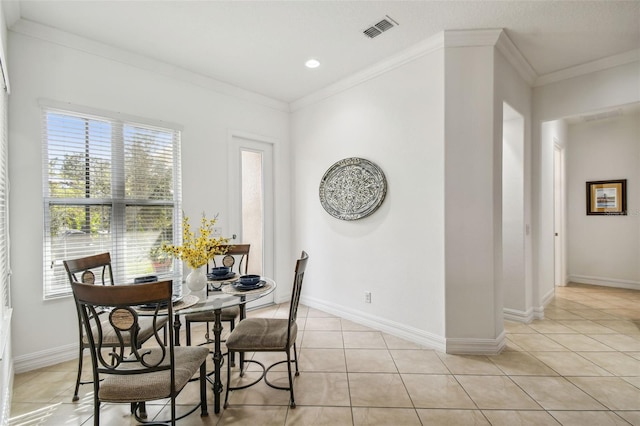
516	58
493	37
471	38
420	49
590	67
444	39
62	38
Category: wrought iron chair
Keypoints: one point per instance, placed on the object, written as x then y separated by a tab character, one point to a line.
269	335
125	372
85	270
235	255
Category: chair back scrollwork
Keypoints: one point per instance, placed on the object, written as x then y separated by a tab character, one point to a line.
123	303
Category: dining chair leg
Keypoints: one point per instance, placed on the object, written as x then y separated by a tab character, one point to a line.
188	332
295	357
142	410
96	411
75	392
173	410
292	401
203	390
226	394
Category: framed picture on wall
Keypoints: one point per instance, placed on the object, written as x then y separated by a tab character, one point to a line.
607	197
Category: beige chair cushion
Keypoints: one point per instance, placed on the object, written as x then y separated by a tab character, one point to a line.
261	334
154	385
109	336
227	314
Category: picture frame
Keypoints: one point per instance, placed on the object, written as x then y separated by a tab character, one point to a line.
607	197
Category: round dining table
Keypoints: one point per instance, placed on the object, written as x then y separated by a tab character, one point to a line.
214	300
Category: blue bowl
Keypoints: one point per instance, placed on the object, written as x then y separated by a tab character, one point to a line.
220	271
249	279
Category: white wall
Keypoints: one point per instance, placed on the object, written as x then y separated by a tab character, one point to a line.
397	253
473	197
604	249
435	127
513	214
579	95
50	70
513	90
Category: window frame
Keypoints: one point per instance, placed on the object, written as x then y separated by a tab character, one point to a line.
118	202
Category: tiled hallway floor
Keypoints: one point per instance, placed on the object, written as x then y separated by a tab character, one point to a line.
578	366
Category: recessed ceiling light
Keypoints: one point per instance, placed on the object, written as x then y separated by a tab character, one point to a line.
312	63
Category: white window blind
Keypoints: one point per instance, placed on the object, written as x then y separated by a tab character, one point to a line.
110	185
5	272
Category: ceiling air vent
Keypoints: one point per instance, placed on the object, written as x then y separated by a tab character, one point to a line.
385	24
603	115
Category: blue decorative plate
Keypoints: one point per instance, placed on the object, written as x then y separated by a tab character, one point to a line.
174	299
243	287
212	277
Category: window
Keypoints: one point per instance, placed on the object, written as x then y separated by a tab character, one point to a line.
5	295
110	185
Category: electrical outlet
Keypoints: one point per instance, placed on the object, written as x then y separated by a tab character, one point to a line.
367	297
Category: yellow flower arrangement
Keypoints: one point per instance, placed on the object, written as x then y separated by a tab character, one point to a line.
197	251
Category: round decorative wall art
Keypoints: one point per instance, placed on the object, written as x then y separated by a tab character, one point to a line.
352	188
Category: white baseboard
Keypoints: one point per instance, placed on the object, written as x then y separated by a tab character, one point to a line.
476	346
411	334
429	340
40	359
519	316
6	368
605	282
548	297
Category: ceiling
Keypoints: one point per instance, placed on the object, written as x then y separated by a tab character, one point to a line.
261	46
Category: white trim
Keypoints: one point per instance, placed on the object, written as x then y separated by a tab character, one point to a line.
546	299
471	346
82	44
3	65
470	38
590	67
101	113
6	368
519	316
5	331
538	313
51	356
447	38
605	282
403	331
7	379
516	58
266	146
425	47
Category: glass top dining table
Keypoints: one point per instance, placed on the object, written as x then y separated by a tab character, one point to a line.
214	300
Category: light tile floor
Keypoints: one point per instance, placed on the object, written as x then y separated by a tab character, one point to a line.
579	366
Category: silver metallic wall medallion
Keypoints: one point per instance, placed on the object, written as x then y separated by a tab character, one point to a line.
352	188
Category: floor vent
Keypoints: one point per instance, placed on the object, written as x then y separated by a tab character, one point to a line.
385	24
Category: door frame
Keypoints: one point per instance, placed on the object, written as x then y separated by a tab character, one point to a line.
559	226
238	141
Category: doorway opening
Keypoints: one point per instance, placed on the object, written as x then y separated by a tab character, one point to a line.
251	202
558	214
516	295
